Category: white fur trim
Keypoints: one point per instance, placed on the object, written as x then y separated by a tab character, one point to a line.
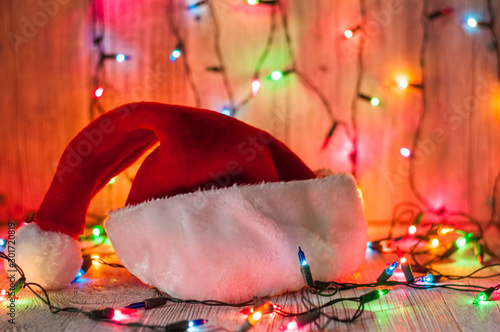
234	243
51	259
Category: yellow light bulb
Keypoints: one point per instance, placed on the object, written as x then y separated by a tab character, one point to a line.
403	84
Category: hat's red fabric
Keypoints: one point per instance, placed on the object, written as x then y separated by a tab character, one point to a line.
199	149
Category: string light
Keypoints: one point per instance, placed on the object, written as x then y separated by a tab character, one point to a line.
373	295
403	84
430	278
443	230
305	269
2	242
197	4
185	325
97	231
471	22
350	32
98	92
405	152
439	13
374	101
478	249
387	273
120	57
256	84
106	313
253	2
176	53
301	321
256	316
112	181
276	75
226	111
412	229
405	266
434	242
484	295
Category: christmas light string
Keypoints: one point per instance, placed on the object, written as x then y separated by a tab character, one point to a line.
413	211
311	315
98	32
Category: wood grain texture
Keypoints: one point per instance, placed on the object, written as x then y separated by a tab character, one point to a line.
46	89
403	309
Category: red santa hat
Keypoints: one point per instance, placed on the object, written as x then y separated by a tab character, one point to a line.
216	211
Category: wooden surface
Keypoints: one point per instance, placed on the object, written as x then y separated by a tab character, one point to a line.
46	88
403	309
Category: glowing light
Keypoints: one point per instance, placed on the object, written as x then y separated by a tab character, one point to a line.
471	22
348	33
80	273
360	194
94	260
98	92
176	53
402	260
118	315
256	316
443	230
256	84
96	231
405	152
226	111
373	295
112	181
391	268
2	242
434	243
375	101
292	326
253	2
430	278
120	57
403	84
276	75
461	242
383	292
412	229
484	295
3	295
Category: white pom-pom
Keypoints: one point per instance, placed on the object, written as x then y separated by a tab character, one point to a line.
51	259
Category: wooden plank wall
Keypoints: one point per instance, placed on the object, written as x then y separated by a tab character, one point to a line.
47	63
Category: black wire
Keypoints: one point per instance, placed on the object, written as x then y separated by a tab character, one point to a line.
357	90
174	28
220	58
491	27
423	114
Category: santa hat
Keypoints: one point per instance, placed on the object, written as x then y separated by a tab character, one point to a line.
216	211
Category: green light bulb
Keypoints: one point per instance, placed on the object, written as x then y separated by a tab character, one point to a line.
375	101
96	231
276	75
484	295
382	292
461	242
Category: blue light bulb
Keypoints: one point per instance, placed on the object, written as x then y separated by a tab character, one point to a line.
175	54
120	57
2	242
428	278
391	268
302	258
226	111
